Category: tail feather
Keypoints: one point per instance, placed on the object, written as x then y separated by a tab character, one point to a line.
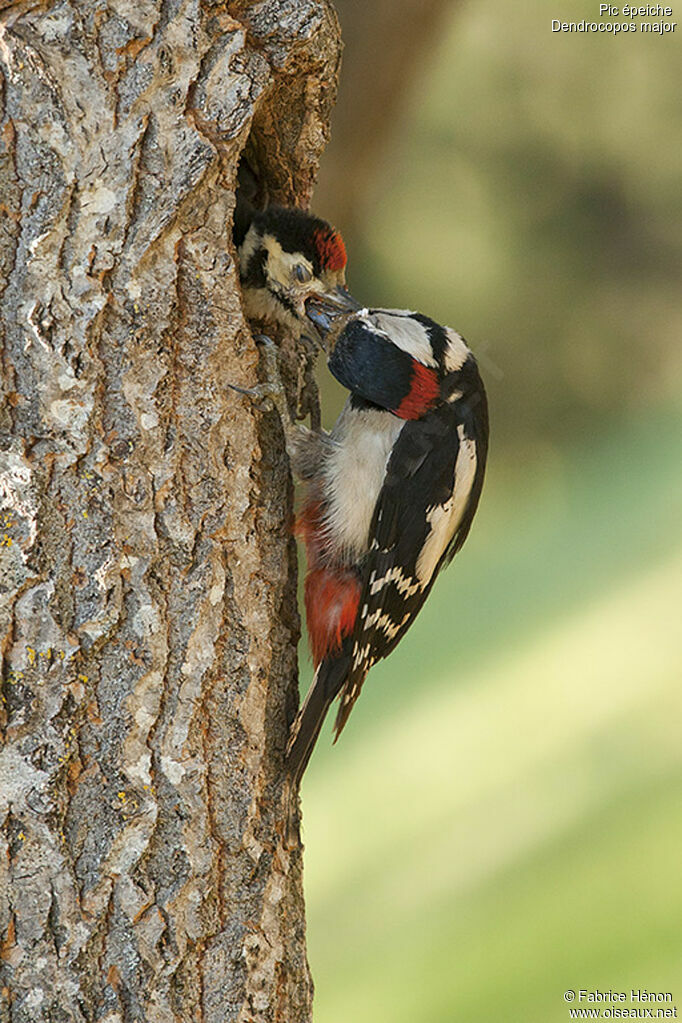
351	691
328	680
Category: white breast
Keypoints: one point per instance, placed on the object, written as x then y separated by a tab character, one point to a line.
355	473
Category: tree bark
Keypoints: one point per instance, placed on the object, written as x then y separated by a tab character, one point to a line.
147	584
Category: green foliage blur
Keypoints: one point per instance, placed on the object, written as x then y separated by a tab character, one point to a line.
501	820
532	200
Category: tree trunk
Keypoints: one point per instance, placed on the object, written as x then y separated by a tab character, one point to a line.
147	580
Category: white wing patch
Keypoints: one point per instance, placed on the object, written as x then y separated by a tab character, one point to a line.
361	655
444	519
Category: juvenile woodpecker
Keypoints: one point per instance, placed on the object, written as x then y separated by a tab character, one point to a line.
286	257
391	495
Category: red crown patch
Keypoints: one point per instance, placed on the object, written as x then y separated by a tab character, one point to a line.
330	249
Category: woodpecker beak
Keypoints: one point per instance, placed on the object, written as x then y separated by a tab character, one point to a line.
323	310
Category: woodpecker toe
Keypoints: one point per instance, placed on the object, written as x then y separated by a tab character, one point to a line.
261	395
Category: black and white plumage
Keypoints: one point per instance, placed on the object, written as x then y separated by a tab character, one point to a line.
392	490
392	493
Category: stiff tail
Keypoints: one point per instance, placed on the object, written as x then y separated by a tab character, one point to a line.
328	680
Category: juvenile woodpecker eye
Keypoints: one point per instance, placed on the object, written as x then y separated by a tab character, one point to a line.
302	273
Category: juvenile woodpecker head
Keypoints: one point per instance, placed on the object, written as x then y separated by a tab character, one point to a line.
288	257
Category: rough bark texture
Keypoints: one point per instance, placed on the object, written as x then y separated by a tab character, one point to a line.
147	582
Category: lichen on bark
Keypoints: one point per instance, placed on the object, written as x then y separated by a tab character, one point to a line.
147	573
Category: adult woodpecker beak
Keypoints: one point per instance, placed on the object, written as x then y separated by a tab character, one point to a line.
326	309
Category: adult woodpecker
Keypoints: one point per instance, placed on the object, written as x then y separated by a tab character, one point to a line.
392	493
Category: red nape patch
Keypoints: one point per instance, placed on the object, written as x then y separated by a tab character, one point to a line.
331	602
330	249
423	392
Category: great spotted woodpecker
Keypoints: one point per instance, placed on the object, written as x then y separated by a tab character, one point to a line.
286	257
392	492
393	489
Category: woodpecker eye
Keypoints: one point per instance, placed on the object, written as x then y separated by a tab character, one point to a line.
302	273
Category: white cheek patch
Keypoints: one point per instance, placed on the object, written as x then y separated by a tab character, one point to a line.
456	353
281	264
444	519
405	332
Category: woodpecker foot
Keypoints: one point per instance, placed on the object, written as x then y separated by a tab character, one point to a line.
273	388
270	394
260	394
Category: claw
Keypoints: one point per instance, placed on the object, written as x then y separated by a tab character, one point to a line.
268	344
270	394
260	394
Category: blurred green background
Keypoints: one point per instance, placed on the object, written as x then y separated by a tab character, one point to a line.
501	819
